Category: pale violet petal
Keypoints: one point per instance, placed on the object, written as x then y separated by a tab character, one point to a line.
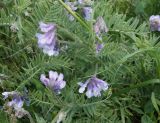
44	80
96	92
89	94
19	104
46	27
53	75
87	11
62	84
60	77
41	40
5	94
82	89
106	86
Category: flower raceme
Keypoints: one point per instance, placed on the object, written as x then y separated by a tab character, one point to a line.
87	13
73	7
94	87
48	40
154	22
16	103
54	81
86	9
17	100
99	47
99	28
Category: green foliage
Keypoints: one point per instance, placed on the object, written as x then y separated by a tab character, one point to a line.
129	62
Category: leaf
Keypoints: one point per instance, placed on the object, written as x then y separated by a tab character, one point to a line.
4	117
122	115
153	99
146	119
39	119
140	85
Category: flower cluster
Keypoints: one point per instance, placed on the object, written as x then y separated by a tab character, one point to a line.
16	103
99	28
48	40
87	13
86	8
94	87
54	82
73	7
154	22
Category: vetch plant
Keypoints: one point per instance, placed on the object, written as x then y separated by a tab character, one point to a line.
113	55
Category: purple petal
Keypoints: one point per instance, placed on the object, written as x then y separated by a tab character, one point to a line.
44	80
18	102
101	84
62	84
46	38
96	91
83	86
100	26
46	27
60	77
5	94
89	93
82	89
99	47
87	11
72	5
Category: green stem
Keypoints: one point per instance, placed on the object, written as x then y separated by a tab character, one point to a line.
79	19
74	15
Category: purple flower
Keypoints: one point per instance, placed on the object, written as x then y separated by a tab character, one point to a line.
94	87
81	1
155	22
100	26
87	12
16	103
17	100
55	81
73	8
99	47
85	2
48	40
